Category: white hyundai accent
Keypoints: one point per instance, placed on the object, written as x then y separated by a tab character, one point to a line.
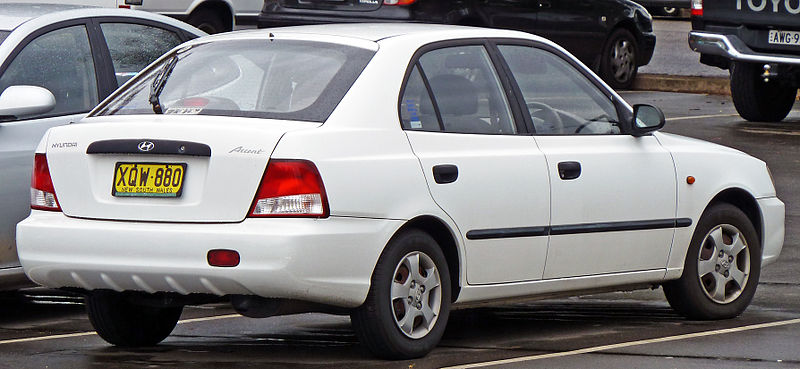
389	172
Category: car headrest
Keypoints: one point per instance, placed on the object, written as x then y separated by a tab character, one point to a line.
455	95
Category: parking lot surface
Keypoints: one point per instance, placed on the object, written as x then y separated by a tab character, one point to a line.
42	328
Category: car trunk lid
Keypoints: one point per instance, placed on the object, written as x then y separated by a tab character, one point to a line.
99	169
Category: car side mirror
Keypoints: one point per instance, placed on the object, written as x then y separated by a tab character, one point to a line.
21	100
646	119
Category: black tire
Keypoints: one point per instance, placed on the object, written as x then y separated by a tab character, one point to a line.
756	100
122	323
691	294
207	21
669	11
376	322
618	62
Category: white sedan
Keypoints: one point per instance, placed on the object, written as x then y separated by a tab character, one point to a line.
389	172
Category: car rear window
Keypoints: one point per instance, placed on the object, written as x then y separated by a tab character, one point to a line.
279	79
3	35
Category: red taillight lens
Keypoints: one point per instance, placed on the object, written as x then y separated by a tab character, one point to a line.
43	195
223	258
290	188
398	2
697	8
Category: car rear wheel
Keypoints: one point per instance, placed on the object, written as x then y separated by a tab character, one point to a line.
756	100
408	305
722	267
618	64
123	323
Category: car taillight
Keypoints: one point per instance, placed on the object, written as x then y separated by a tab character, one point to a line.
290	188
43	195
398	2
697	8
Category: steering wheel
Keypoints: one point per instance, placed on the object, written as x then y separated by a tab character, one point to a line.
593	120
547	114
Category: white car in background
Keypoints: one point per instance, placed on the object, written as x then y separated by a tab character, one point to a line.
56	63
385	171
211	16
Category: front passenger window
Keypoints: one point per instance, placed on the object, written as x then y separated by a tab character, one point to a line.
60	61
560	100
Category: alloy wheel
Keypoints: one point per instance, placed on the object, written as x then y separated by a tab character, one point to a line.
416	296
724	264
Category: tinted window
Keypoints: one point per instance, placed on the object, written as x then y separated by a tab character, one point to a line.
134	46
3	35
466	90
560	99
282	79
60	61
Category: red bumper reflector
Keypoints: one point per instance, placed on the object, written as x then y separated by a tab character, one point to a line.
223	258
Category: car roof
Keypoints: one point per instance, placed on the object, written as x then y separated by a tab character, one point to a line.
14	14
23	15
380	31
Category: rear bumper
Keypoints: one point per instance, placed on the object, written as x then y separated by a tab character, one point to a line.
733	48
283	20
327	261
773	216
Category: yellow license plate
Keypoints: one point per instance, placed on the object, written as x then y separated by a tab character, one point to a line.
148	179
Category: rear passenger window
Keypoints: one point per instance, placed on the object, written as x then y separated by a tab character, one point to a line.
134	46
467	94
416	107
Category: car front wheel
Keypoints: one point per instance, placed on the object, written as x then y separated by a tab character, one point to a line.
123	323
408	304
756	100
618	64
722	266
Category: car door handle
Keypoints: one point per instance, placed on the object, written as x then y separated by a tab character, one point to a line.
569	170
445	173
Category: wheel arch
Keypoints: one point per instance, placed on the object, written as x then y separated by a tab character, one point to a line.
746	203
220	7
443	235
630	26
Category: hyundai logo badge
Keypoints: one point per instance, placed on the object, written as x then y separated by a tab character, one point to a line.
146	146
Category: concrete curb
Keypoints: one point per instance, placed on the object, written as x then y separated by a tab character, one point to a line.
688	84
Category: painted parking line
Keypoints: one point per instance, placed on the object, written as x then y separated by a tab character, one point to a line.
626	344
702	117
84	334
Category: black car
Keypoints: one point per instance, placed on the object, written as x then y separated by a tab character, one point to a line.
613	37
665	7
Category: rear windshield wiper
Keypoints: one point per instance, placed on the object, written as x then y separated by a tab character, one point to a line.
159	82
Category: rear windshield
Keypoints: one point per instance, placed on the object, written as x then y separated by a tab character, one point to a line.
280	79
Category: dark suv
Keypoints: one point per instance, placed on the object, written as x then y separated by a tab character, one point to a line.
759	43
613	37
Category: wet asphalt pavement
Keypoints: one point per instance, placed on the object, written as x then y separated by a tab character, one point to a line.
637	329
